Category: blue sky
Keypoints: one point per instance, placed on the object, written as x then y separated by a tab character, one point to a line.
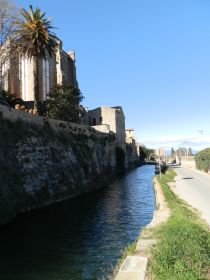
152	57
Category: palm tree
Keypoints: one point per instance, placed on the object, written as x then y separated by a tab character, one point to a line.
34	40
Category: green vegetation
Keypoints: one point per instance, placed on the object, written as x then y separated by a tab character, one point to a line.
183	250
63	103
146	154
7	98
34	40
202	160
3	99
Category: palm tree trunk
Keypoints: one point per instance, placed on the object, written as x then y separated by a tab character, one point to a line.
36	85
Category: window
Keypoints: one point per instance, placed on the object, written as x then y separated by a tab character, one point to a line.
101	119
94	121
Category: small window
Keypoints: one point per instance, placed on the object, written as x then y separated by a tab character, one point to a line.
101	119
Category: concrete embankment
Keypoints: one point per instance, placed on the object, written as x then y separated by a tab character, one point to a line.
134	267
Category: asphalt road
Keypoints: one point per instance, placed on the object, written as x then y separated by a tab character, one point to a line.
194	187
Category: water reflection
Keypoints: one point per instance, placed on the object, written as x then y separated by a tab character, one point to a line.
81	238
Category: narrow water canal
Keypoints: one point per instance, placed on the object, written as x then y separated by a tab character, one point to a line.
81	238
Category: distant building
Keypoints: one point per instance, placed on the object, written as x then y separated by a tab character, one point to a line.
109	119
132	148
56	70
160	153
176	155
129	132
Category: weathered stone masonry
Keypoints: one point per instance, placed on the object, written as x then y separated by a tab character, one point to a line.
59	69
44	161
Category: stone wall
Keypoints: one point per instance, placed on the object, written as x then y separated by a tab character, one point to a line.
43	161
102	128
132	150
132	157
13	115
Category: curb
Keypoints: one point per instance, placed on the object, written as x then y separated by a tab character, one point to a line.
135	267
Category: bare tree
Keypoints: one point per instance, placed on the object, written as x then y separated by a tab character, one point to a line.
7	12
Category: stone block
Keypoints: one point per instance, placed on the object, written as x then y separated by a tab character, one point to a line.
133	268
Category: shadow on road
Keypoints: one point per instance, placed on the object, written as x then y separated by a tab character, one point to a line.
184	178
173	165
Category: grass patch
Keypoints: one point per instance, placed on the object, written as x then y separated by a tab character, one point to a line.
183	249
129	250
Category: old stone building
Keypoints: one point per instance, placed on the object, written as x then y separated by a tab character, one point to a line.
129	133
132	148
56	70
109	119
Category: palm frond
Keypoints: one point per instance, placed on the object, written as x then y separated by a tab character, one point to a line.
25	14
33	32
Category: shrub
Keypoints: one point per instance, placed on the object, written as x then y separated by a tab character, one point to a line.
11	99
202	160
63	103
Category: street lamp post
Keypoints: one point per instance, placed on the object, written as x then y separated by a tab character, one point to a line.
159	162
